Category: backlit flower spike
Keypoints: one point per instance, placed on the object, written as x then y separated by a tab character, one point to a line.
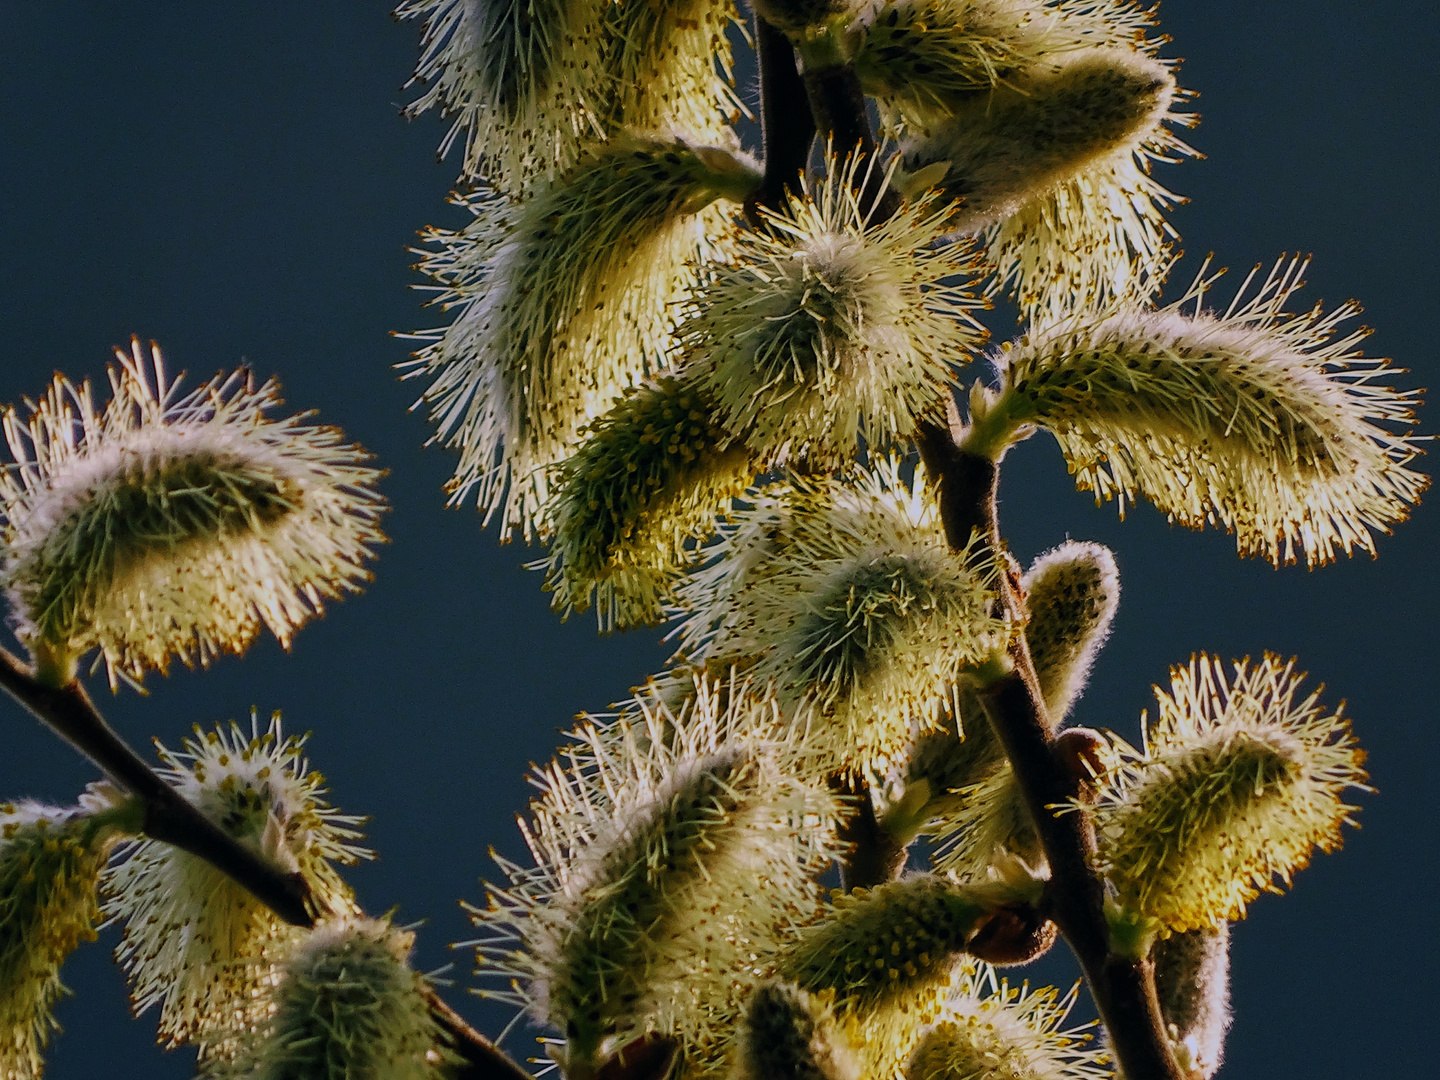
1071	594
522	82
878	954
1006	1034
669	68
863	617
1192	981
826	326
787	1035
195	943
1052	170
348	1007
168	525
924	59
50	862
561	302
672	855
1241	779
1270	424
648	482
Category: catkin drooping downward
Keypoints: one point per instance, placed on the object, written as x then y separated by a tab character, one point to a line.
672	852
1071	594
1257	420
563	301
1240	780
1052	169
50	863
348	1007
650	479
520	78
826	326
168	525
197	944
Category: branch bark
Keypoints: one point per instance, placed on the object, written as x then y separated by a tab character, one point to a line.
1124	989
480	1058
68	711
788	131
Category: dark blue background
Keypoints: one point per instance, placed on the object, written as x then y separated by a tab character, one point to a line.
234	181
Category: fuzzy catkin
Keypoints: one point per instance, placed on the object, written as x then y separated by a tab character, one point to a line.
196	944
1266	423
347	1007
876	947
786	1035
50	864
926	59
563	301
168	525
672	853
827	327
1071	594
852	603
1054	172
650	479
1007	1034
1241	779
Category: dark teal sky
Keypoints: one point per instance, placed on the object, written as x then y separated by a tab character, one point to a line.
234	181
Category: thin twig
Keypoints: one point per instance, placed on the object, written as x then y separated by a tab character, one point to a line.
68	711
482	1059
874	855
1123	989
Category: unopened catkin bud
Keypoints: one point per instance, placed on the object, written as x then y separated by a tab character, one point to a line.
1071	594
1192	980
876	947
786	1035
1257	420
651	478
1240	780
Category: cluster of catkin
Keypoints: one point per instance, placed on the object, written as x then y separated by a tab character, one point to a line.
706	400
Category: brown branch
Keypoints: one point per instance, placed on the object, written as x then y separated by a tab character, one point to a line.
481	1059
875	856
68	711
1123	989
786	122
